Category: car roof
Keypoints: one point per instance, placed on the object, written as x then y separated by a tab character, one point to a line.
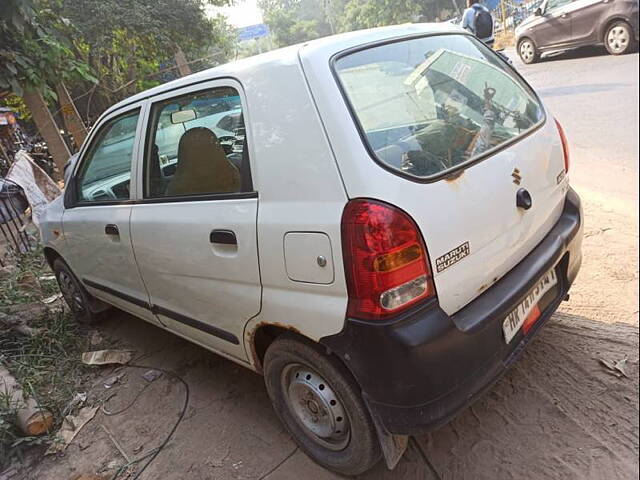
321	50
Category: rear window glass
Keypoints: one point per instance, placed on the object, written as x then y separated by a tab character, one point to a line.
429	105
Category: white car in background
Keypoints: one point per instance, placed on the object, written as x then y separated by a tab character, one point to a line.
390	228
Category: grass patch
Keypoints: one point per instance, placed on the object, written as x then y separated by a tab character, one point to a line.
47	365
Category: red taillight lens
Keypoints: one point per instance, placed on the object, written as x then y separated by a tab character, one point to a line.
565	146
386	263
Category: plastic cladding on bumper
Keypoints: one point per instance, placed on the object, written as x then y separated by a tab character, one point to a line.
419	370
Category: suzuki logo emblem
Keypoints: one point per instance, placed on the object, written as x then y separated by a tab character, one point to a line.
516	176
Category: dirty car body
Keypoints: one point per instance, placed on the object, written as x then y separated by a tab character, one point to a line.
395	200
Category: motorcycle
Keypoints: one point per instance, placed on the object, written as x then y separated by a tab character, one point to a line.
39	152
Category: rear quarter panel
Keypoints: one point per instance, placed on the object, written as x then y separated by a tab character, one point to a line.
299	190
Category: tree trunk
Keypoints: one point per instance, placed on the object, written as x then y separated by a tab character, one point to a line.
48	129
4	154
455	5
72	119
181	62
31	419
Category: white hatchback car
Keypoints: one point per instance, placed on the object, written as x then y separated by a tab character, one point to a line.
378	222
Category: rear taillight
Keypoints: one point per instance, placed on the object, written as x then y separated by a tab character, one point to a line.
565	146
386	262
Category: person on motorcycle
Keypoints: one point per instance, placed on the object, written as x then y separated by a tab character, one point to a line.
478	20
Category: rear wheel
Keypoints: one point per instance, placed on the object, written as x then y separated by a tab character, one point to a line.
76	297
527	51
618	38
321	406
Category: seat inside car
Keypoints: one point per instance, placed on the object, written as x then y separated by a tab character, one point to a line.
157	184
202	166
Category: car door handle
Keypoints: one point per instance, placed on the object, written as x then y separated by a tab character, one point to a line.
224	237
111	229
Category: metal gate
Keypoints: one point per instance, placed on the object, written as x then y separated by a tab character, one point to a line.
13	205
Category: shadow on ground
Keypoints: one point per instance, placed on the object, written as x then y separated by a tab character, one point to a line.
583	52
557	414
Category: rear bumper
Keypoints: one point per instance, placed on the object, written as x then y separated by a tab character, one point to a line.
417	371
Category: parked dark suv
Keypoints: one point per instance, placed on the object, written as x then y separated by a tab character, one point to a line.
560	25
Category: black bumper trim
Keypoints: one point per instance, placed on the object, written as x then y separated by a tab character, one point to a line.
157	310
116	293
197	324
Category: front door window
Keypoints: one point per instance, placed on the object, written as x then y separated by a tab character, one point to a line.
106	172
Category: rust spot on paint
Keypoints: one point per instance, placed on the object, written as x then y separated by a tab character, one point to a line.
281	325
484	286
517	177
454	176
255	344
56	233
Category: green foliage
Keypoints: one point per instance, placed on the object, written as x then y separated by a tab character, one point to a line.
376	13
288	30
47	365
109	48
295	21
16	104
35	47
127	42
163	24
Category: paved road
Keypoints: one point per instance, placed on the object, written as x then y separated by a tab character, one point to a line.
595	97
557	414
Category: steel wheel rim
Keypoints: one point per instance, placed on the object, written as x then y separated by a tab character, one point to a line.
70	292
526	50
316	407
618	38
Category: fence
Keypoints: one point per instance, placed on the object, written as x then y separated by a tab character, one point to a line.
14	239
516	12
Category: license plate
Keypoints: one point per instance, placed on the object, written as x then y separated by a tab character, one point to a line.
517	317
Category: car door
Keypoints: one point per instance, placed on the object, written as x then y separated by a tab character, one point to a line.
586	20
194	224
555	29
97	211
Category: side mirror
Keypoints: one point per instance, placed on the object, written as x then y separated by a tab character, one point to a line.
538	12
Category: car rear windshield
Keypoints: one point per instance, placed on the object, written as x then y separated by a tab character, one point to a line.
429	105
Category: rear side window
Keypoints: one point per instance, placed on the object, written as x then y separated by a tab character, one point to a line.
196	146
426	106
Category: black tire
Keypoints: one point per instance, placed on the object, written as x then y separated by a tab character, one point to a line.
351	452
619	38
77	298
528	51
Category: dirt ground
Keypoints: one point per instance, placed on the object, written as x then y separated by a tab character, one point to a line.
558	413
